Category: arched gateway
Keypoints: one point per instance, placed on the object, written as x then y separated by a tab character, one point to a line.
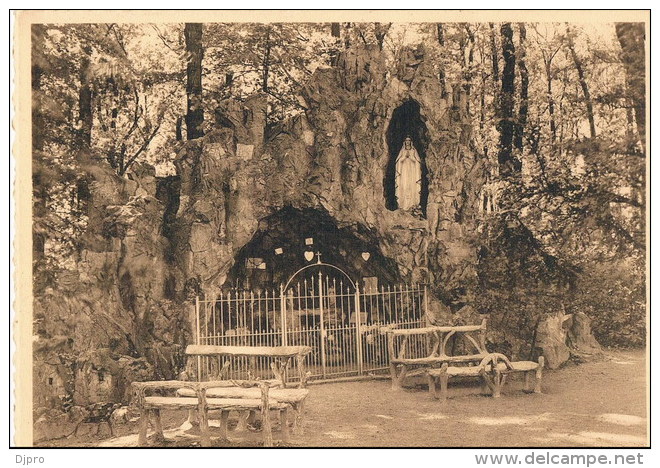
321	306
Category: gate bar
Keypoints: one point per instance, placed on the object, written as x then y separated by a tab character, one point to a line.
199	358
323	347
358	331
283	314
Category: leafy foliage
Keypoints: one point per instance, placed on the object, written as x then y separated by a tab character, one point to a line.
566	228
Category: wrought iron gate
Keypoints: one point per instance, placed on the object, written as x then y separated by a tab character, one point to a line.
321	307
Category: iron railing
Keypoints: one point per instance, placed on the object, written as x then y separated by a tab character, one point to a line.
344	325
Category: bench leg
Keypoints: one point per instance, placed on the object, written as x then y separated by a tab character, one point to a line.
192	418
298	419
300	360
444	381
224	420
144	423
252	418
397	378
393	376
243	417
284	424
205	439
528	382
432	389
266	430
539	375
497	384
158	426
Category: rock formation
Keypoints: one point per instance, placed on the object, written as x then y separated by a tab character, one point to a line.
155	243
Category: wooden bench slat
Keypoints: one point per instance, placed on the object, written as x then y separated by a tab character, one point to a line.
292	395
437	338
440	359
212	403
456	371
234	395
518	366
493	378
274	351
427	330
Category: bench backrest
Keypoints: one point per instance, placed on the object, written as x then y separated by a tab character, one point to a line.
266	351
214	362
438	337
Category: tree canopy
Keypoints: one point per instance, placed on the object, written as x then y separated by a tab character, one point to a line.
557	112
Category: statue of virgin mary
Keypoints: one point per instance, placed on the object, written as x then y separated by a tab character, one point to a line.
408	176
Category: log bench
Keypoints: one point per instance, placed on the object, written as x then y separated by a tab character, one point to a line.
245	396
403	365
493	369
281	358
294	398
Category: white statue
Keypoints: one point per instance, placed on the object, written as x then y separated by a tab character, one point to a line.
408	176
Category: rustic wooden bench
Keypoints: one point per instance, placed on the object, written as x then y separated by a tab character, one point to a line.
281	358
402	365
493	369
244	399
293	397
229	395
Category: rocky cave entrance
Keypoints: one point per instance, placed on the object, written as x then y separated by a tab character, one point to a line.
406	121
277	250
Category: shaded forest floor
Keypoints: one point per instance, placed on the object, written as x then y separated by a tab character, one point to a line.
596	404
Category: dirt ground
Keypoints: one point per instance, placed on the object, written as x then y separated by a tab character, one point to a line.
596	404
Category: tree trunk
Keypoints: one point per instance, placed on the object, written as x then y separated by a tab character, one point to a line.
494	55
508	164
380	31
518	141
551	101
39	185
265	70
467	62
195	112
37	115
335	32
85	102
441	41
631	37
177	129
632	137
583	84
482	113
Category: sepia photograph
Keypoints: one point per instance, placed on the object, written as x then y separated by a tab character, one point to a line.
398	228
